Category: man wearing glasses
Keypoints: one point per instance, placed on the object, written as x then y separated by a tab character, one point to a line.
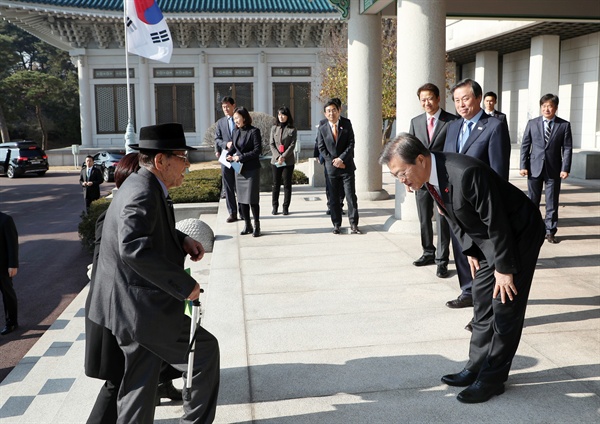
141	283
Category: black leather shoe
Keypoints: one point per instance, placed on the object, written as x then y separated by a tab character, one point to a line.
286	211
479	392
461	301
424	260
551	239
354	229
247	230
274	211
336	229
469	326
442	271
167	390
256	232
231	218
462	379
9	328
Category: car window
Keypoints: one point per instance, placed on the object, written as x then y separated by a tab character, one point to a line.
33	153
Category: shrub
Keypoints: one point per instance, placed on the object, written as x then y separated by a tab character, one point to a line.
87	225
299	177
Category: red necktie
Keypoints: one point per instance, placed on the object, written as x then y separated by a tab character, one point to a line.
431	189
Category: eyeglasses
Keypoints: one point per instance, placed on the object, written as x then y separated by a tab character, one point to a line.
184	157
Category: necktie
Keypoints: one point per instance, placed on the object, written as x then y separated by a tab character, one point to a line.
466	132
431	189
171	208
89	172
430	127
335	132
230	120
548	131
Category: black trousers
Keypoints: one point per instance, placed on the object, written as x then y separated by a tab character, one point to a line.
282	174
497	326
228	180
425	210
142	367
328	191
9	298
341	184
462	267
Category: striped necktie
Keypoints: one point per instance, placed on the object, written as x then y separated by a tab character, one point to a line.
547	131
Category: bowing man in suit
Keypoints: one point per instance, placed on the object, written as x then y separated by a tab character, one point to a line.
546	152
90	179
480	136
224	141
430	127
144	284
336	145
502	232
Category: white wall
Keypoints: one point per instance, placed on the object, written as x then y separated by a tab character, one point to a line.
514	92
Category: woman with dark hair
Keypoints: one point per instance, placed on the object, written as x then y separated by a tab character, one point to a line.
245	151
282	143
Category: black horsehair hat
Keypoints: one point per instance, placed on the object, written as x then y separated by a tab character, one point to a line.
163	137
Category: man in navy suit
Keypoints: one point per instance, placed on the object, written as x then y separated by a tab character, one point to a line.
223	141
90	179
489	103
480	136
336	144
546	152
430	127
501	231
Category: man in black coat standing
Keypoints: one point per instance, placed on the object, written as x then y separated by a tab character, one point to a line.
9	265
90	179
501	232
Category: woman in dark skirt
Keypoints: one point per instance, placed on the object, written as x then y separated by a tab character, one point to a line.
246	149
283	142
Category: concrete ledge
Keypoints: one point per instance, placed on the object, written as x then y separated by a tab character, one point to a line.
586	165
194	210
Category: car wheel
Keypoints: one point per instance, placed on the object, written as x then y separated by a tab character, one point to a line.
41	173
10	173
106	175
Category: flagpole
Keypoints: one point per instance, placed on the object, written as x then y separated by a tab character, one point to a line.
129	133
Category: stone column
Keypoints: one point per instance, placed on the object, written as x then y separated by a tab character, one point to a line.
85	112
144	90
262	104
204	104
486	71
421	59
364	100
544	60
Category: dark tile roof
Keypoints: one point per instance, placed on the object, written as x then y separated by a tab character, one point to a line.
203	6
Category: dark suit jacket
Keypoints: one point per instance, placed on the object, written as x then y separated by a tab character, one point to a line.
343	148
486	211
9	244
287	139
141	266
489	142
91	192
418	128
555	156
222	136
497	114
247	144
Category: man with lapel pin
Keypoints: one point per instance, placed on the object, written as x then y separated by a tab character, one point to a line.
336	145
501	231
546	152
430	127
90	179
224	142
480	136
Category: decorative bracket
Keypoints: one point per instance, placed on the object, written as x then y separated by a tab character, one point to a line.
343	6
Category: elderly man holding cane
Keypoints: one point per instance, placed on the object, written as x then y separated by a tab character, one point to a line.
144	285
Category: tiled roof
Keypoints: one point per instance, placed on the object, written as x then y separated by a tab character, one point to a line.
203	6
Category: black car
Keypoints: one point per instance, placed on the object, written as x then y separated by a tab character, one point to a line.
107	161
21	157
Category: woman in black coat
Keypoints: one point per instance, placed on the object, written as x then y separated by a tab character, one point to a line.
282	143
245	151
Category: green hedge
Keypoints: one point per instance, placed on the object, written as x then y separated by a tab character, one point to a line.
87	225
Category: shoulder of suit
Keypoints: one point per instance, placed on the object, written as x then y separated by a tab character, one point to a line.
447	116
